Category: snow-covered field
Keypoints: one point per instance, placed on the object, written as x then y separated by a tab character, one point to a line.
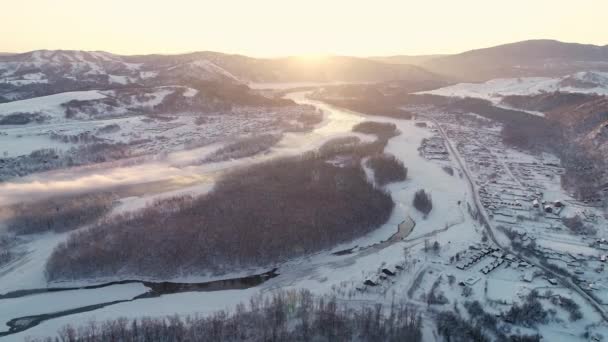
495	90
50	105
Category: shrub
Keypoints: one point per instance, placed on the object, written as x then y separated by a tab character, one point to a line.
576	225
387	169
570	306
449	170
339	145
456	329
423	202
107	129
21	118
380	129
245	147
59	214
528	314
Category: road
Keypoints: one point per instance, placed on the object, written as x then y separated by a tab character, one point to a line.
567	282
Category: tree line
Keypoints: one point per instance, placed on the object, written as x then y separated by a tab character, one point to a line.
59	214
281	316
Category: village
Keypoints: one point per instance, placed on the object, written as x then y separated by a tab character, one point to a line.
522	195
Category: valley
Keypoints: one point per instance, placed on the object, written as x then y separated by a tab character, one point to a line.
207	190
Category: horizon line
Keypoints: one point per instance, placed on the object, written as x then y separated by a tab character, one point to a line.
4	52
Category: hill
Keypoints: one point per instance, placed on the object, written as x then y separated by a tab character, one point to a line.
405	59
527	58
45	72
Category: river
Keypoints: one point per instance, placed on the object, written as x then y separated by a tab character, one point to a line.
37	303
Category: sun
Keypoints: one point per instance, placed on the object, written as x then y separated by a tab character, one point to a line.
312	58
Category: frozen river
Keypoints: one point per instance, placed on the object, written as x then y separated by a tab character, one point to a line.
174	171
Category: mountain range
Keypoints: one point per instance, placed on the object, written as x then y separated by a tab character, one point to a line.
46	72
528	58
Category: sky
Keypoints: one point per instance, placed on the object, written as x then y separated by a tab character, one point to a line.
268	28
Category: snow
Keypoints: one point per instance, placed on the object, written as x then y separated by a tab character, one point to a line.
495	89
148	74
213	68
191	303
119	79
105	56
30	78
51	302
190	92
20	142
322	273
50	104
28	272
319	272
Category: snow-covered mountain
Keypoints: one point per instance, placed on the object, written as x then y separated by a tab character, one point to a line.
494	90
541	57
46	72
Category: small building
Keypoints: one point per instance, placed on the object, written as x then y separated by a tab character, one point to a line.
471	280
510	257
369	282
552	281
535	203
548	209
389	272
497	255
558	204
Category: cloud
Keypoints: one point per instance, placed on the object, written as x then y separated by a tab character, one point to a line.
48	184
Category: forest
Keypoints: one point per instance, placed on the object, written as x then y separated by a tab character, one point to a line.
387	169
244	147
58	214
256	216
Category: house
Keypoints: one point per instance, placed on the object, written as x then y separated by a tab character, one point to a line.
548	209
370	282
471	280
497	255
535	203
558	204
510	257
389	271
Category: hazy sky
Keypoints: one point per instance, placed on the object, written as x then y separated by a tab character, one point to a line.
284	27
